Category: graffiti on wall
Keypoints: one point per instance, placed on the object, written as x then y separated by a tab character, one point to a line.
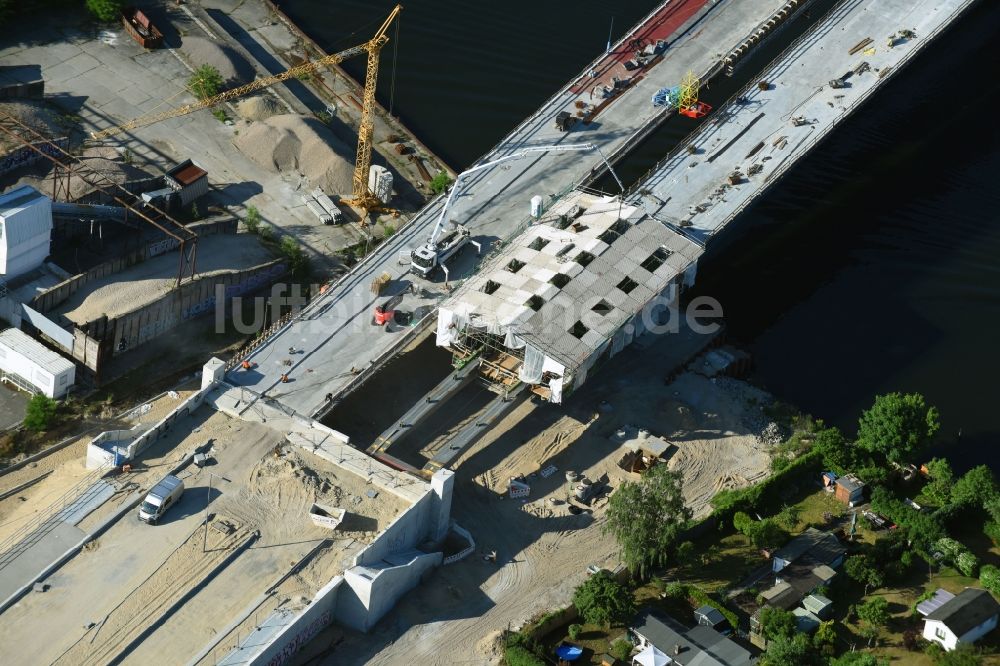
25	156
260	279
161	247
304	635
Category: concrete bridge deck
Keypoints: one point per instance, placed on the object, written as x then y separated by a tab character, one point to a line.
756	138
340	345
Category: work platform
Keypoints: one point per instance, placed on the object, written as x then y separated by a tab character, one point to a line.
339	347
752	141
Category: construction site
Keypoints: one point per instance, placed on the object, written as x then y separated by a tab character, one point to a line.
544	322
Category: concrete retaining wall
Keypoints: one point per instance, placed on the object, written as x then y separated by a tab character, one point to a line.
371	592
317	616
142	442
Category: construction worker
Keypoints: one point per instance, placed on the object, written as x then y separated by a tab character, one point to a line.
246	365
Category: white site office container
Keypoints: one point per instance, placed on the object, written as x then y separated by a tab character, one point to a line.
380	183
24	360
25	230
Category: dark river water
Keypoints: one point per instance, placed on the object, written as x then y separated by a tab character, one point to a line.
871	268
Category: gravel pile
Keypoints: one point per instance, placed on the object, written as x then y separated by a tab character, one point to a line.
294	143
235	70
105	161
767	432
36	115
258	108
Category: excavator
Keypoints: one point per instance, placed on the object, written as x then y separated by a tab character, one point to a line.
361	197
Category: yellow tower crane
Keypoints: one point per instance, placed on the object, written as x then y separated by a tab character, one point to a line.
361	196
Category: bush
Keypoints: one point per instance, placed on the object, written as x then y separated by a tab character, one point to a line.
603	600
934	650
252	220
992	530
104	10
40	413
205	82
675	590
621	649
574	631
989	576
517	655
440	182
967	563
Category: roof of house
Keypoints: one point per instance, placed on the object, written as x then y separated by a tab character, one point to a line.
700	646
850	483
968	610
941	596
710	613
822	547
815	603
805	621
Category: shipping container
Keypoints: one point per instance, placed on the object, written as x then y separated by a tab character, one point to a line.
30	365
141	28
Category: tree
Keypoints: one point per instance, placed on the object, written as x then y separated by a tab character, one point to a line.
603	600
976	488
440	182
775	623
574	631
40	413
793	650
859	568
685	553
897	426
825	638
875	611
838	455
938	490
205	82
989	577
767	533
105	10
647	517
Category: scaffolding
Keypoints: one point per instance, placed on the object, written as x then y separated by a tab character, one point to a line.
498	364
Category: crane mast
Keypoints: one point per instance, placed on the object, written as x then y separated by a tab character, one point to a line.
363	198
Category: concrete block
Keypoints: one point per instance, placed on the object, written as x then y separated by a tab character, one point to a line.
212	372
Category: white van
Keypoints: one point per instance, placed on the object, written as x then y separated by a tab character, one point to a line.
163	495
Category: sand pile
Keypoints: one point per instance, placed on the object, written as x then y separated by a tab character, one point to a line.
258	108
235	70
36	115
299	143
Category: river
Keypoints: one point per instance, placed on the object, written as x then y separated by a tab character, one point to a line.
871	268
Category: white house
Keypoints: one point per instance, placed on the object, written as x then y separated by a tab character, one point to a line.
963	619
